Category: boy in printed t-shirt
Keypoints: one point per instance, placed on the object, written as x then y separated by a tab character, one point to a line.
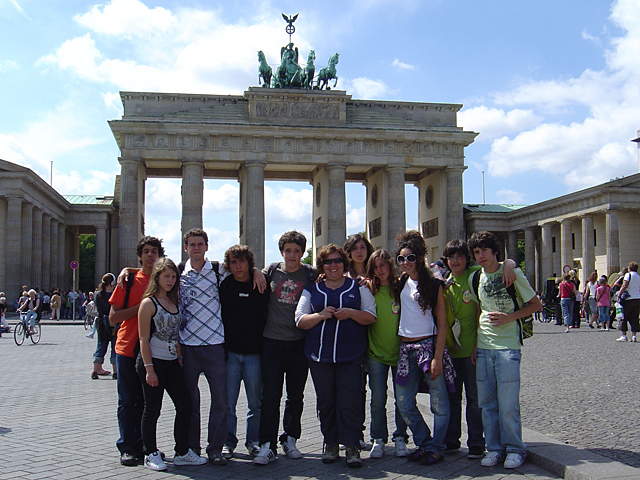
498	353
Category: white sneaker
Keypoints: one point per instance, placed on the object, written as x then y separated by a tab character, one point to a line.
491	459
364	445
154	462
633	339
289	447
265	455
514	460
401	447
189	458
377	450
623	338
227	452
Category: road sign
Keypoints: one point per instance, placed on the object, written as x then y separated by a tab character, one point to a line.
74	265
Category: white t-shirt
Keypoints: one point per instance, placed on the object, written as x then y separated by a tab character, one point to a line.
414	323
634	284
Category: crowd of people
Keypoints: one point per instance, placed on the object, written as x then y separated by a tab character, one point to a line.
350	318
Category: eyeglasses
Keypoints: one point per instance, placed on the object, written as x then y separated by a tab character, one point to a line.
329	261
411	258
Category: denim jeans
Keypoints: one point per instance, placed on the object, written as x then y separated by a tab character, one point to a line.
465	375
130	405
567	311
243	368
498	378
603	315
101	350
282	358
378	378
439	399
30	318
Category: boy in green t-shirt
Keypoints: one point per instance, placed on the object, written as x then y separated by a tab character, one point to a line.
498	353
460	306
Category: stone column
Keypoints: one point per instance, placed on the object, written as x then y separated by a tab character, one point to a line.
455	219
613	241
36	271
566	252
55	255
46	253
512	246
26	255
337	211
13	248
192	197
396	219
252	209
529	255
588	249
131	228
546	265
62	257
101	253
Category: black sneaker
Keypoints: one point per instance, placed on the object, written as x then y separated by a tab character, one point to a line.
416	455
353	457
475	452
217	459
128	459
430	458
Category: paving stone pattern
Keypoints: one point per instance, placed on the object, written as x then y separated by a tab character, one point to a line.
581	388
57	423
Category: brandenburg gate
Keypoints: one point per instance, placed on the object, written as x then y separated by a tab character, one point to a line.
321	136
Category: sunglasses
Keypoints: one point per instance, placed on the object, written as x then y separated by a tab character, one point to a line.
329	261
411	258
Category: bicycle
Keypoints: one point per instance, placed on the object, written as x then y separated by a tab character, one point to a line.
22	330
88	321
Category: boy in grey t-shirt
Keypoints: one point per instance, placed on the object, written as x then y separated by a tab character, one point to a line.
283	356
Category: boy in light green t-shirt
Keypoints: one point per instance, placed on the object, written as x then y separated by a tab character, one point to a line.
498	354
461	306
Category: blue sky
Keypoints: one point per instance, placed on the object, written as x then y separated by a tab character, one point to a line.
551	86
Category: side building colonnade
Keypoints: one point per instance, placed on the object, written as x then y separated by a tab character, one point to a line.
595	229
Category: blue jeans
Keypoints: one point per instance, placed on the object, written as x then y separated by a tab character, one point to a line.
30	318
243	368
465	375
567	311
603	315
378	377
439	398
498	378
130	405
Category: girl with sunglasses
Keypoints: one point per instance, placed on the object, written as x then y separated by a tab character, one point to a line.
423	354
336	311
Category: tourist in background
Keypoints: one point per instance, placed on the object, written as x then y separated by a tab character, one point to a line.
629	297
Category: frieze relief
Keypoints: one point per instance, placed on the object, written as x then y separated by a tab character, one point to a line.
182	142
297	110
162	141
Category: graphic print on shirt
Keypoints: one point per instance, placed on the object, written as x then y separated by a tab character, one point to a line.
494	288
289	291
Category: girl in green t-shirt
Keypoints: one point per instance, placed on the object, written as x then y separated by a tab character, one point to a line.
384	345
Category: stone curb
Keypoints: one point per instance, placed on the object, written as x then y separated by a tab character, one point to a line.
565	461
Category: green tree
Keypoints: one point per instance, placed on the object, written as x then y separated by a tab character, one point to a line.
87	262
308	259
520	261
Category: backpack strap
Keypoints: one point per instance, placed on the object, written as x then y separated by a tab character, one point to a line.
511	289
270	270
475	283
129	284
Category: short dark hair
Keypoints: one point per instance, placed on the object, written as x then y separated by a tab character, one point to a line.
633	266
328	250
456	247
293	237
195	232
153	241
238	252
484	240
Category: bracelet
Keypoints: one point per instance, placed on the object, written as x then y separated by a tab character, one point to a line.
148	364
180	357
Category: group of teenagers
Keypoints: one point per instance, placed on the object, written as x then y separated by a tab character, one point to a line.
349	318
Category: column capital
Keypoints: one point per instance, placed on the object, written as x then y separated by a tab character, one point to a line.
566	222
456	169
255	163
193	162
395	168
129	160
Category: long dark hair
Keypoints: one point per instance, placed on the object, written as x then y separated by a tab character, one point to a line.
160	266
413	241
375	281
349	245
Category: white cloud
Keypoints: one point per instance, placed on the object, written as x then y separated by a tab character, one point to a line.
8	65
90	182
401	65
509	196
363	87
220	200
19	8
356	219
590	149
288	206
494	122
